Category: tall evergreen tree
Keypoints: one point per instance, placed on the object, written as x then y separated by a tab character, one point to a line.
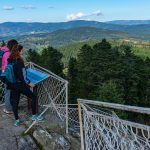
130	77
84	71
144	85
109	92
103	64
33	56
50	59
73	81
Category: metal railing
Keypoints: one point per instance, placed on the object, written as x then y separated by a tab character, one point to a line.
101	128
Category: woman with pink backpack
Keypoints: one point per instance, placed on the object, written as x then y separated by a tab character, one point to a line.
5	52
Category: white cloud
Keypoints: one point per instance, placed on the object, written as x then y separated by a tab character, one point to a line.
81	15
28	7
75	16
8	8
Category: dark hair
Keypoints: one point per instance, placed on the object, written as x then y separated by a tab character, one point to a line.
2	43
11	43
15	52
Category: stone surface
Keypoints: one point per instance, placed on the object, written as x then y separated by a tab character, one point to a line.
26	143
51	141
75	143
53	138
8	133
11	136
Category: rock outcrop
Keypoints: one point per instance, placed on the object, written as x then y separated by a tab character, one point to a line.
51	137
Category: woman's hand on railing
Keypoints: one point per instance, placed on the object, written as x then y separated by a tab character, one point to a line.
31	85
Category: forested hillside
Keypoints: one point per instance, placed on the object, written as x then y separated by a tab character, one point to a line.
111	74
63	37
71	50
102	72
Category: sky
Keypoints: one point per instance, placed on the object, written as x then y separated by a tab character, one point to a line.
67	10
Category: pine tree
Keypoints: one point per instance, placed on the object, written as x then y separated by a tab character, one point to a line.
144	85
109	92
73	81
129	78
50	59
103	64
84	71
33	56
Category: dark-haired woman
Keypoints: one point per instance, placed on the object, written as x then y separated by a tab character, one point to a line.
22	85
7	50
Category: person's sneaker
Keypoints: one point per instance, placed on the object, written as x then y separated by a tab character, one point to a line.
7	112
17	123
36	117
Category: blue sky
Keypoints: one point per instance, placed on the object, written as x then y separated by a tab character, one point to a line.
65	10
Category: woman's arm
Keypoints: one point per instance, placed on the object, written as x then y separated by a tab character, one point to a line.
22	74
19	71
27	81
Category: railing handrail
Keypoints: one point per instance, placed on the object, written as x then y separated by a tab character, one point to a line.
142	110
54	75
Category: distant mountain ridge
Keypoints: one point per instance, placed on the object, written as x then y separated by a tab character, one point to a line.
23	28
129	22
14	28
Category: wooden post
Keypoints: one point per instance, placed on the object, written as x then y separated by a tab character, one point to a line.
67	108
81	126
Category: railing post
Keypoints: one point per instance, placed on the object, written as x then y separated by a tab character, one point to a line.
66	107
81	125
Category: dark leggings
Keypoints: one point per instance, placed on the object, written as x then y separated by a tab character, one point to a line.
22	88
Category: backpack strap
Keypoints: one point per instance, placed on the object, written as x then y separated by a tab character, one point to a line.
6	52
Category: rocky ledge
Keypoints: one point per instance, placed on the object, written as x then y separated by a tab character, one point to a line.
52	137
